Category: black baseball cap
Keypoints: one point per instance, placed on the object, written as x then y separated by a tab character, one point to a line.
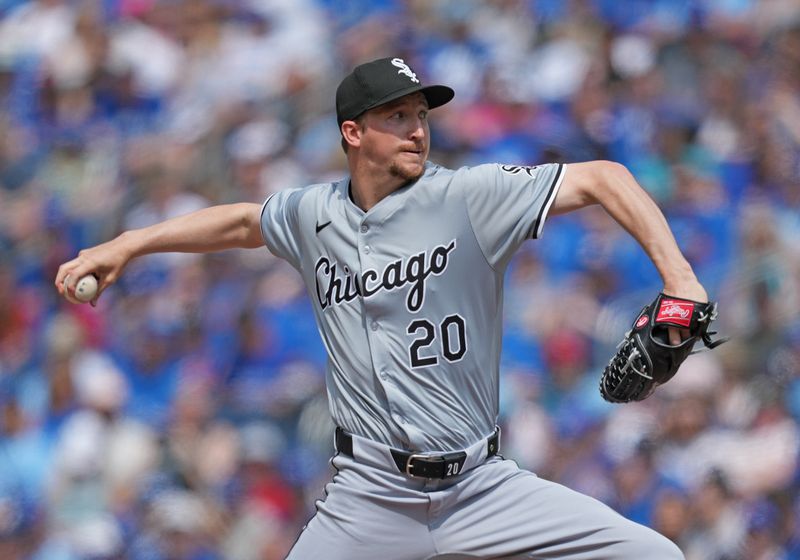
381	81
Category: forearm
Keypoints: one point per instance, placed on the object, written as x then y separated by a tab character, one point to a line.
621	196
207	230
204	231
616	190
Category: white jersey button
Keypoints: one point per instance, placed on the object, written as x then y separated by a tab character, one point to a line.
384	375
366	249
374	325
364	228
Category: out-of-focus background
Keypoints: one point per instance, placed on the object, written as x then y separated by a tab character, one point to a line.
185	417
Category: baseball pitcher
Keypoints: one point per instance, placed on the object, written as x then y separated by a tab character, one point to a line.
403	261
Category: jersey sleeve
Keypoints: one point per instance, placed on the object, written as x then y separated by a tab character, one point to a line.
508	204
279	224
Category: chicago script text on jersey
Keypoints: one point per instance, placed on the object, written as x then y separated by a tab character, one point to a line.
334	288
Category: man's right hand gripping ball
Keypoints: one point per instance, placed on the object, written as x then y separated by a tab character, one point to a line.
645	358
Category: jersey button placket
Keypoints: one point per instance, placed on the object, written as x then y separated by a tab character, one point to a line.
374	326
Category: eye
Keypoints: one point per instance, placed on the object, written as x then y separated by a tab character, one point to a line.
398	115
423	115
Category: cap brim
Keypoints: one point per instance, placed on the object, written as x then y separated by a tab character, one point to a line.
435	95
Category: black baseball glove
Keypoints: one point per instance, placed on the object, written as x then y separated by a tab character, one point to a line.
645	359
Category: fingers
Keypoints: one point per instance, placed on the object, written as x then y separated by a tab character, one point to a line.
66	278
70	272
68	275
676	335
102	283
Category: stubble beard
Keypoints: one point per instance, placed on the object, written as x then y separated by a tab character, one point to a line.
404	173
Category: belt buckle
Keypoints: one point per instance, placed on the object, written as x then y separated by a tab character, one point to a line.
413	456
453	463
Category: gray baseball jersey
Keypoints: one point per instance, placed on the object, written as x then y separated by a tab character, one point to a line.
408	296
408	299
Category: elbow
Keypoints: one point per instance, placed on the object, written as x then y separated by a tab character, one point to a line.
250	226
590	183
610	177
612	171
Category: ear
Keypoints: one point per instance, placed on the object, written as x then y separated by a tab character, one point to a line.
351	133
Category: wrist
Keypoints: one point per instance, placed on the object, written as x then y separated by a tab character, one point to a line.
129	245
687	287
678	274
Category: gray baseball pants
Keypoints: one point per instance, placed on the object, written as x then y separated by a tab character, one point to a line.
493	509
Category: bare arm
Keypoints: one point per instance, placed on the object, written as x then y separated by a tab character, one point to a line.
210	229
613	187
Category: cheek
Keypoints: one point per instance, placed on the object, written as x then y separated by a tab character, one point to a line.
380	143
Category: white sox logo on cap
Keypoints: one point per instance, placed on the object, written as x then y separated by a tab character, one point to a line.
404	69
381	81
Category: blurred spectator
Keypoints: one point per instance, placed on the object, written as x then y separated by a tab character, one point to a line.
671	515
178	526
720	526
639	485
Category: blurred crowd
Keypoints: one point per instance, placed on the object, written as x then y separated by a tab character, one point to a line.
185	417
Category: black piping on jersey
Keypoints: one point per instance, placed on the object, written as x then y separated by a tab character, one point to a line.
261	218
548	201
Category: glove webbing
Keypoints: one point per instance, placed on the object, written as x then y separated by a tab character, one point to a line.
705	336
618	382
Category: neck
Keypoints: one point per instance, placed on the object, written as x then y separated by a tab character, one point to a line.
368	185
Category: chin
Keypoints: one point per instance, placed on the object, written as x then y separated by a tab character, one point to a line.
407	172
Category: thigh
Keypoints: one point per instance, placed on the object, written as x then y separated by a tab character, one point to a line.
505	512
365	515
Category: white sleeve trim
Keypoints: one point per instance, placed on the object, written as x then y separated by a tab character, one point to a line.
261	219
551	196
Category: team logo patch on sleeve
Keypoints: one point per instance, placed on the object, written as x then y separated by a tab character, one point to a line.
516	169
676	312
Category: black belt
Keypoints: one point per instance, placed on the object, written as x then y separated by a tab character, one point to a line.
423	465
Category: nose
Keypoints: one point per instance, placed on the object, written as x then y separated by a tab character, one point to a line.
417	129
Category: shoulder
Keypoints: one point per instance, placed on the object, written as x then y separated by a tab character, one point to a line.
308	194
436	173
484	170
483	174
434	170
440	181
467	176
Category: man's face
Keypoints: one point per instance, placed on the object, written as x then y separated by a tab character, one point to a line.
396	134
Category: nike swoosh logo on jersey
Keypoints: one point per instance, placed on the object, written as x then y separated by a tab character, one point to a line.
320	227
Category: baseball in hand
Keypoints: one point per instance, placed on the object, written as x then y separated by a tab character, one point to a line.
85	289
